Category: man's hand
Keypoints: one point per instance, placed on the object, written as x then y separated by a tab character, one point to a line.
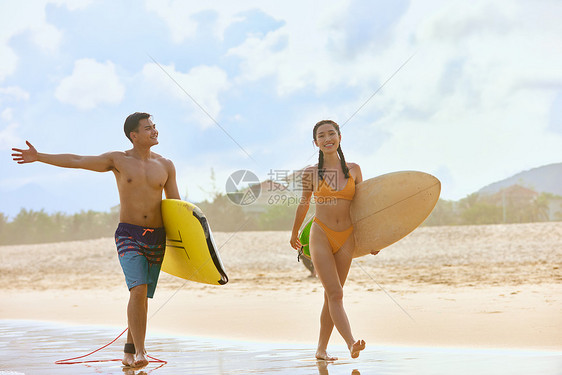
25	156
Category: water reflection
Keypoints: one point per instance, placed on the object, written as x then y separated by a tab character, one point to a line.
323	368
31	348
134	372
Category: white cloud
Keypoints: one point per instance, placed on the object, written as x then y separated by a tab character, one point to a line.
9	61
472	106
9	137
46	37
297	54
475	98
91	84
8	134
73	4
13	93
176	16
484	76
179	14
203	83
300	53
18	17
7	114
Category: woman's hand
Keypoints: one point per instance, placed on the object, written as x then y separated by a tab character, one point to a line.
295	242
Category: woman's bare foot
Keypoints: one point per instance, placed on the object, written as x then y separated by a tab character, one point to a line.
323	355
140	361
128	359
356	348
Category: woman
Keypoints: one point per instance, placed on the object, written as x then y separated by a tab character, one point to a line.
331	241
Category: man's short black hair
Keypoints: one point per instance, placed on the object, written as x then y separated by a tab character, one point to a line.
132	123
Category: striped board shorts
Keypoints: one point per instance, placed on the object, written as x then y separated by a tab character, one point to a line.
140	251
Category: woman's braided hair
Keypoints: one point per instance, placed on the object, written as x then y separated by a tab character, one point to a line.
344	167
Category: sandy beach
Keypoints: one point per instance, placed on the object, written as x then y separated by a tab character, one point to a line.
465	286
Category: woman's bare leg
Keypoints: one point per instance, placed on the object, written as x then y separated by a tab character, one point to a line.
332	270
326	328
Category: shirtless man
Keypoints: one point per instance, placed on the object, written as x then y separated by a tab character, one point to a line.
141	176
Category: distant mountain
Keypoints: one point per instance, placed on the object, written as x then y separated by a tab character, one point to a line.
545	179
35	197
30	197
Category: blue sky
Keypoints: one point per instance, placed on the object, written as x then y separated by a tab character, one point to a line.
479	100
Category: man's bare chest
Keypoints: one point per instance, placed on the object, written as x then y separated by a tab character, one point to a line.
143	175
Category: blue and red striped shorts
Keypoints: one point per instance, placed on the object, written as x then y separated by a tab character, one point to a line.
141	251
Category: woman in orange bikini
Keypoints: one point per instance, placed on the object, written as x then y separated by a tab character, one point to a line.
332	181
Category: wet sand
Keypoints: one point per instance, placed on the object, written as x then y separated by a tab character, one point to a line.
204	356
468	286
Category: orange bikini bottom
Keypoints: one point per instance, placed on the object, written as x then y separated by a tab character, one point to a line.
337	239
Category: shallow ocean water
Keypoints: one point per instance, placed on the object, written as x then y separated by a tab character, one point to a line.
29	347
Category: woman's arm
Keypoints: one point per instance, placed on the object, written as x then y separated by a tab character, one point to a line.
302	209
355	171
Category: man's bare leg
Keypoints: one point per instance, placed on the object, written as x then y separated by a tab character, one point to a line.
137	317
128	358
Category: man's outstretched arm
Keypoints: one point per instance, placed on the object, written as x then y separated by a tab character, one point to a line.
101	163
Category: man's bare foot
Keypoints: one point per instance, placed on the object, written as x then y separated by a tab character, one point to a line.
323	355
128	359
140	361
356	348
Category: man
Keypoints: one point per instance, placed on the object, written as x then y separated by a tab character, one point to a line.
141	176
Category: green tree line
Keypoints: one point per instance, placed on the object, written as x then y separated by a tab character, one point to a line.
224	216
40	227
31	226
476	209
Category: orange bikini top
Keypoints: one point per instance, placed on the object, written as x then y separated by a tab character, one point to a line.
325	191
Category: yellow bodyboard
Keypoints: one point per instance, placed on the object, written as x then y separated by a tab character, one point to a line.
191	253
